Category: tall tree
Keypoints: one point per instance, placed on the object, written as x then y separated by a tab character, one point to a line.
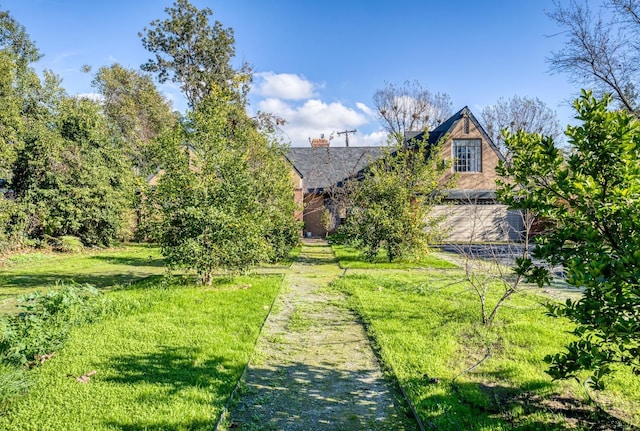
14	37
519	113
72	177
410	107
12	215
591	198
10	118
19	87
189	51
225	200
17	79
132	103
602	48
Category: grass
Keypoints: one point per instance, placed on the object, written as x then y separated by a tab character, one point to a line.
24	273
168	361
166	355
351	258
428	334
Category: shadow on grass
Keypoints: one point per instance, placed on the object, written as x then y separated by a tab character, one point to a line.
13	284
179	371
316	259
131	261
316	254
304	397
475	406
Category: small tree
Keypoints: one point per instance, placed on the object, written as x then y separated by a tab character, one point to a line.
328	220
225	202
592	199
488	267
393	198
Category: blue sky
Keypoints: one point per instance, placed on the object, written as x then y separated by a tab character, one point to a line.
318	64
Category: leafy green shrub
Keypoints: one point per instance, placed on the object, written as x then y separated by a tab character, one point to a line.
72	177
44	322
591	197
392	201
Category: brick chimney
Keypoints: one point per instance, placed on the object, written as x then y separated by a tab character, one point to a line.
320	142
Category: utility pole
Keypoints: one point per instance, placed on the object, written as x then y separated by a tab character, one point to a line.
346	135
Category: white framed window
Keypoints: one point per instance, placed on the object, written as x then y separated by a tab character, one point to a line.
467	155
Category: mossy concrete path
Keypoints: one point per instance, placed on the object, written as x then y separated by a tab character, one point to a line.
314	368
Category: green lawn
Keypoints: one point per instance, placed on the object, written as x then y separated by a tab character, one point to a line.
168	356
350	258
23	273
428	333
165	356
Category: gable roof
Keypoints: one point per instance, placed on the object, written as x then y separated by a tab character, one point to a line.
443	129
322	168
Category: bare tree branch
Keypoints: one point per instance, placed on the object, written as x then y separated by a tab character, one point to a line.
410	107
600	52
519	113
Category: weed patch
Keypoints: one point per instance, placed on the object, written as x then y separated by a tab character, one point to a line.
44	322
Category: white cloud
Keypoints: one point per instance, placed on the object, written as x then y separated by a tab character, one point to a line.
376	138
293	98
284	86
364	108
315	117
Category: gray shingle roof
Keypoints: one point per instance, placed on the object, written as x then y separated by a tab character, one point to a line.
323	167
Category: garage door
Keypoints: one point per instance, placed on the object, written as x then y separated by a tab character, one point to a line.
479	223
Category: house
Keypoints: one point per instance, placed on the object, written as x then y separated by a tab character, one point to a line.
471	211
319	173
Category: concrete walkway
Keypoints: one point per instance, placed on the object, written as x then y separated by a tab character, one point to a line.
314	368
